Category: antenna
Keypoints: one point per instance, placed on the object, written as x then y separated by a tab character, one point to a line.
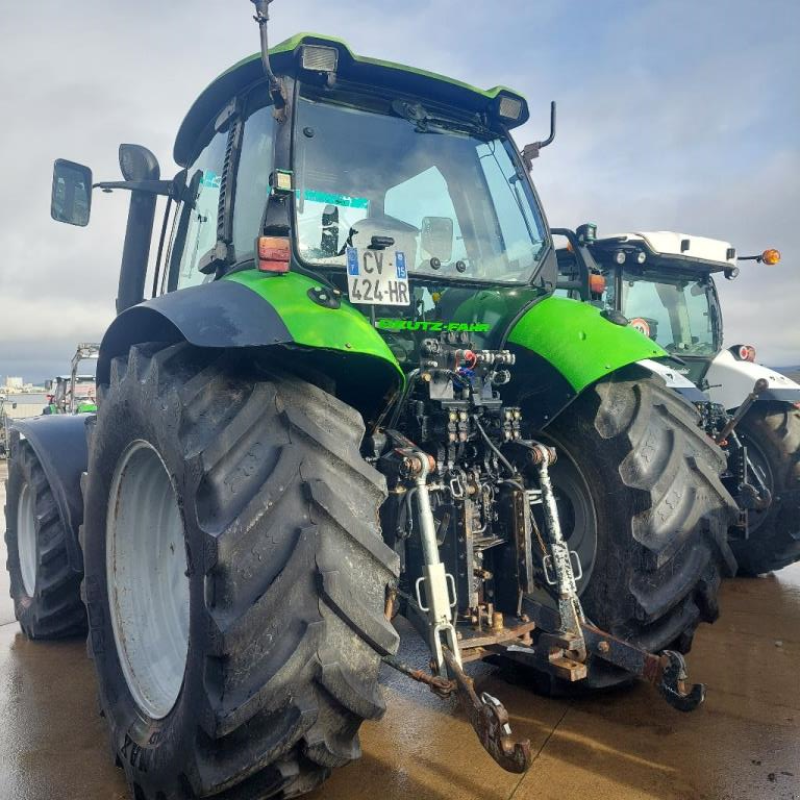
531	151
275	87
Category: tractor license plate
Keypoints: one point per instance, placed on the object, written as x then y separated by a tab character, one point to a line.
377	277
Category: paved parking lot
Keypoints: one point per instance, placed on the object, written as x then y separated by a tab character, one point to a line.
744	744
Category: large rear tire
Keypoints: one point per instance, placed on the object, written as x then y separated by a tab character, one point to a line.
279	623
771	432
651	516
44	586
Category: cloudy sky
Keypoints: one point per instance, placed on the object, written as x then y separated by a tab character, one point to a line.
673	114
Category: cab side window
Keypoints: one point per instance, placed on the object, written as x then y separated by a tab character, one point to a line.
197	230
255	166
198	226
641	299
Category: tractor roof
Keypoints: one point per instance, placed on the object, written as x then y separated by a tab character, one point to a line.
351	67
680	251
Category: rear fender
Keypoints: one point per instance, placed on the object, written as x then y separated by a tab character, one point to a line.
563	347
249	309
59	442
675	380
731	380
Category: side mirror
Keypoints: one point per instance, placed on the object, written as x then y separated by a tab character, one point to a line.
71	198
697	289
437	237
48	385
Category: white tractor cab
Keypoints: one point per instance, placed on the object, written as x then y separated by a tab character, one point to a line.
662	284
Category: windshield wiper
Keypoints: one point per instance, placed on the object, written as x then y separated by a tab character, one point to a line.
423	122
472	128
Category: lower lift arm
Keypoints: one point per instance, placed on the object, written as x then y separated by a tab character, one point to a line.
565	640
496	505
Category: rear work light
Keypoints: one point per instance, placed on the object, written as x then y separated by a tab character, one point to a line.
274	254
747	353
510	108
320	59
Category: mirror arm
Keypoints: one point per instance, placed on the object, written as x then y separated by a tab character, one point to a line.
276	88
531	151
162	188
583	259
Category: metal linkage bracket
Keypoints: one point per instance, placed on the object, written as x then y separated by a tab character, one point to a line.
560	557
761	386
438	585
489	718
666	671
550	574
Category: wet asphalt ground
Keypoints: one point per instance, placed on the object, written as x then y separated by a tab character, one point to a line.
744	744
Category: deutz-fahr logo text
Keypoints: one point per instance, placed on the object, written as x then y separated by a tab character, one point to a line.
430	327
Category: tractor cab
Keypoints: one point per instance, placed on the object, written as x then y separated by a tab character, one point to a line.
74	393
662	282
402	189
64	396
395	190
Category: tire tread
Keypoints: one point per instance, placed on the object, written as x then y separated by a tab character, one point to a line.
56	610
295	571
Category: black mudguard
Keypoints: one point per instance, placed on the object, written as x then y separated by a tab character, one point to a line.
226	315
221	314
779	395
59	442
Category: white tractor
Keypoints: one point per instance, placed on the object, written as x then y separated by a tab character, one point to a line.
662	283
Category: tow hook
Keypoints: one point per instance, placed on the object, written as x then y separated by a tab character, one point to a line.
751	499
666	671
673	683
489	718
487	715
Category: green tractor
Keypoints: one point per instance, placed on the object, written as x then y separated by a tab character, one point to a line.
74	393
353	395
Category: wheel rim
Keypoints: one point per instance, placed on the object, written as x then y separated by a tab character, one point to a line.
26	539
146	576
